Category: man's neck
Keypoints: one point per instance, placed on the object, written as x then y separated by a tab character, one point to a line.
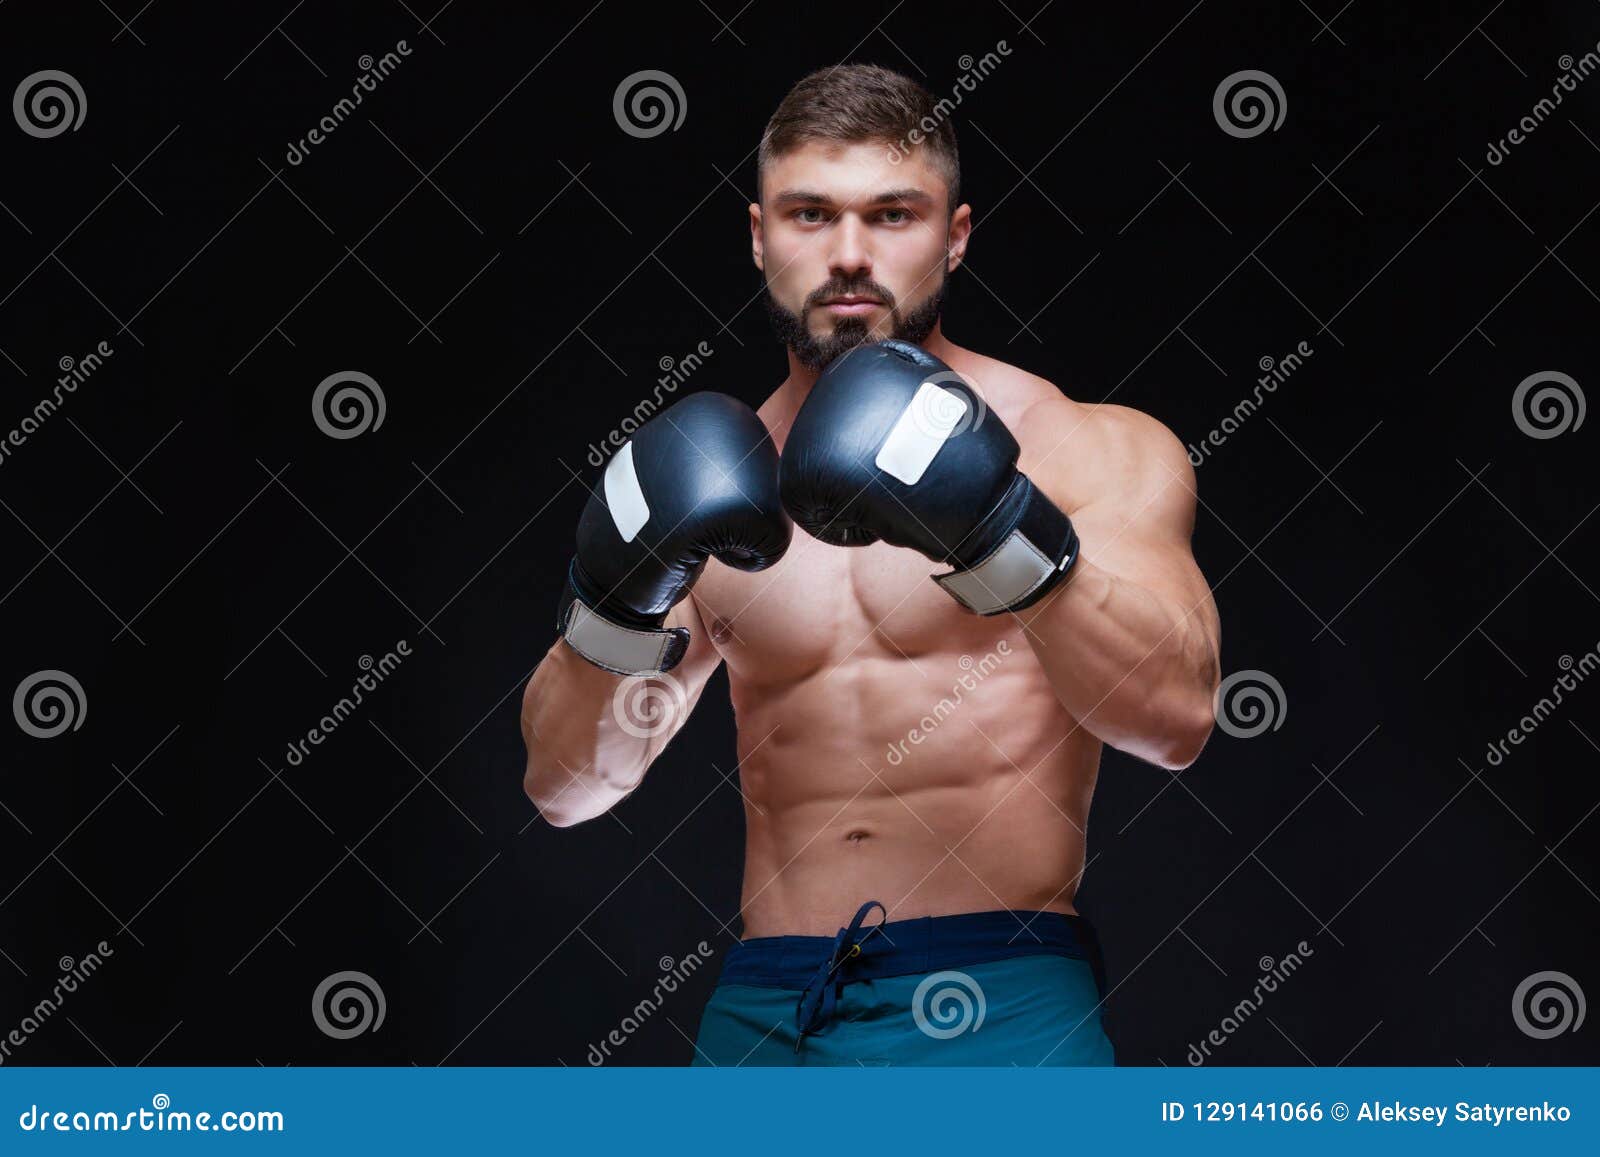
801	377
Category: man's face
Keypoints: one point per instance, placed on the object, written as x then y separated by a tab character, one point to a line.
854	247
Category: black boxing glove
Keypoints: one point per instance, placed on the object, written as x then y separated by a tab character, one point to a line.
698	479
892	444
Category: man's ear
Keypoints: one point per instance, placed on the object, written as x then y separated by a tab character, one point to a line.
956	241
756	253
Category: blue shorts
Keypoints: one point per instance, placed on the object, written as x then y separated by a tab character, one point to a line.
987	988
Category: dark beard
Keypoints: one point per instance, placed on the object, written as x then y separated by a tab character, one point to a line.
815	353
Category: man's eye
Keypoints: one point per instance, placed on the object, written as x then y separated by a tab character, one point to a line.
810	216
896	216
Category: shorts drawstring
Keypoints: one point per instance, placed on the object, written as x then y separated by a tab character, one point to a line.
820	999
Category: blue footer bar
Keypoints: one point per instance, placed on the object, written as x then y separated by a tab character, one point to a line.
969	1111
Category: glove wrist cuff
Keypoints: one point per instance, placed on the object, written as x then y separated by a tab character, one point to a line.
1035	547
615	646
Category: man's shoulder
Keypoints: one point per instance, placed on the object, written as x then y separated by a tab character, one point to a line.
1039	409
1118	429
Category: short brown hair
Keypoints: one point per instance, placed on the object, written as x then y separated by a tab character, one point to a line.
850	103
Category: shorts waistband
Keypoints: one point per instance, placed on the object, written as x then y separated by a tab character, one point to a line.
907	947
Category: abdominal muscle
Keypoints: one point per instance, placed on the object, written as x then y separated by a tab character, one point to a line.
948	782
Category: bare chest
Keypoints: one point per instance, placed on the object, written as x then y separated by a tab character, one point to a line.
824	605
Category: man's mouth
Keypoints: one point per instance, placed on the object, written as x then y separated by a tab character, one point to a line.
849	305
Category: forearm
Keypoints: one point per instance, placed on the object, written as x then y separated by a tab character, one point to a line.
580	762
1136	669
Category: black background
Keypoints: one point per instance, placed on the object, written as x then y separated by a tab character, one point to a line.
484	240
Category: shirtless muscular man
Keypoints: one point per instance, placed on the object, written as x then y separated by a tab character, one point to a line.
915	813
